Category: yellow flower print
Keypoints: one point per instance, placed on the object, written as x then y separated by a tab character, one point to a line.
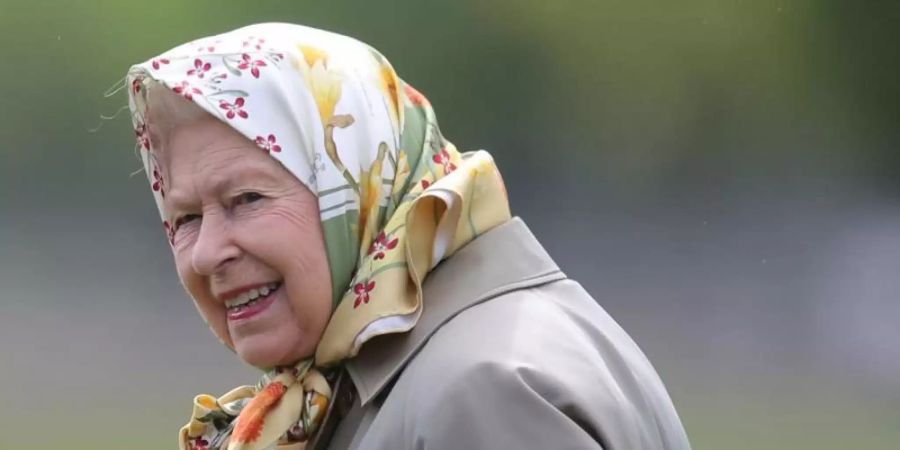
207	401
402	173
340	121
326	89
370	193
312	55
324	84
389	87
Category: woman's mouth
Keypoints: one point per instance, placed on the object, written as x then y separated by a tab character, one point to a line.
252	302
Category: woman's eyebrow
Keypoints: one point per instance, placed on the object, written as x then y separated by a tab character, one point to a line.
175	203
244	174
224	182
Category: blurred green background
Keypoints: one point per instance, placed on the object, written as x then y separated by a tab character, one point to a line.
721	175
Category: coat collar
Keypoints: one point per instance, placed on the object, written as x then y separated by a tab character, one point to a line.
504	259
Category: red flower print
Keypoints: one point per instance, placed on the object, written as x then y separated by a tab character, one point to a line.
207	47
443	158
142	136
381	245
254	42
268	143
425	184
157	62
186	90
136	86
234	109
249	63
198	443
200	68
362	292
170	231
158	183
415	96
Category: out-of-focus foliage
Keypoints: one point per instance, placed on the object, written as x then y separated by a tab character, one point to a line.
640	94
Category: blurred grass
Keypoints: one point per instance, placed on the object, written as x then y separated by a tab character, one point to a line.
779	417
782	421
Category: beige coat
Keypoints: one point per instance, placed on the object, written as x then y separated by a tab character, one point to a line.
508	354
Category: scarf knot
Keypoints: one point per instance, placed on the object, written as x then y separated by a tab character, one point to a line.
285	407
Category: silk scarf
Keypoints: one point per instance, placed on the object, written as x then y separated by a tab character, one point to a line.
395	197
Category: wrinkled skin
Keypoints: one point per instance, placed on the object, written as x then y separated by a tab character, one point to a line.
242	219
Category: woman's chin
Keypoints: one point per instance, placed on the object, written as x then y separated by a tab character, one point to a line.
271	337
270	349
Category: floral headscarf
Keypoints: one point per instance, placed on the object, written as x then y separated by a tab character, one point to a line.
395	197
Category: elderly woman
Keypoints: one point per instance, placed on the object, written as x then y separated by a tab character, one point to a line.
332	237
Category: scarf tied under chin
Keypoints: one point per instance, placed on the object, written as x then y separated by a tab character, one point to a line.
260	417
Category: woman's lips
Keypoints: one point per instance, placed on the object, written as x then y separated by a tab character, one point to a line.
257	306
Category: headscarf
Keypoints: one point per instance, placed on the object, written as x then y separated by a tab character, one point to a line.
395	197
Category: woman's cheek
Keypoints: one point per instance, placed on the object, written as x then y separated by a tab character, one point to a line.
183	264
197	288
212	311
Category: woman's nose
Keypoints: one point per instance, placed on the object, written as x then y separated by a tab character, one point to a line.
214	247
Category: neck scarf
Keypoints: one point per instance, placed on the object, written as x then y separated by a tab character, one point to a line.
395	197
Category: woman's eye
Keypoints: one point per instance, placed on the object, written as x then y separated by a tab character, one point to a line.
187	218
247	197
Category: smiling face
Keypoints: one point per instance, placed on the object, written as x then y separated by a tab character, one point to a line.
248	243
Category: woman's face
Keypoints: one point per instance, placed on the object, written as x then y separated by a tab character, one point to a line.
248	243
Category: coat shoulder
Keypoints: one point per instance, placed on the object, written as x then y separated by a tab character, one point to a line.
554	348
523	328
